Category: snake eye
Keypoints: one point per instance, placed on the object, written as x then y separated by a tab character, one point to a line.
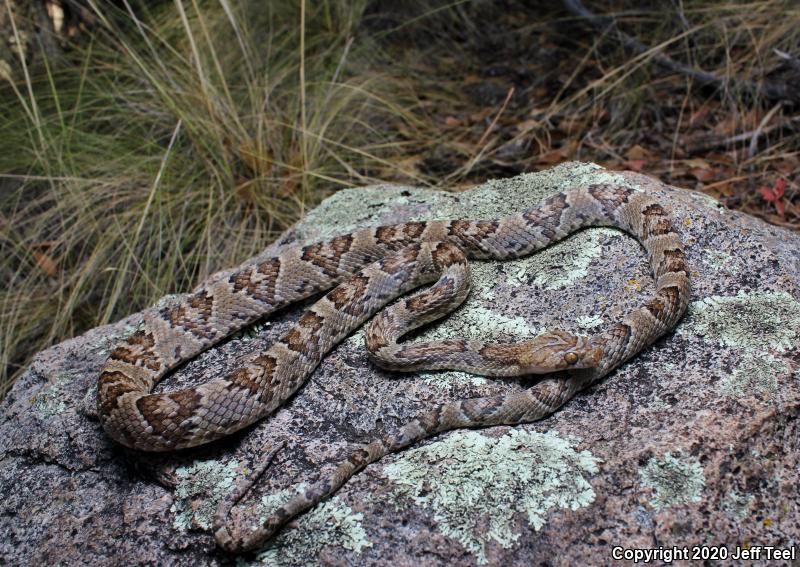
571	358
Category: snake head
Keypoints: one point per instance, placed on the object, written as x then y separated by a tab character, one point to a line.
556	350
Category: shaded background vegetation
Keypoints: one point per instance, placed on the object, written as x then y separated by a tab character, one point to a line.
145	145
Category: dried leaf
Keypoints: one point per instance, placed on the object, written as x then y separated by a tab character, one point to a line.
702	174
636	164
45	263
559	154
637	152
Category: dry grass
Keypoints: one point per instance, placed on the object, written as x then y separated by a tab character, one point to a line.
174	144
521	86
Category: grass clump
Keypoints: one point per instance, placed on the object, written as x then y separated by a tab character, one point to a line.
173	143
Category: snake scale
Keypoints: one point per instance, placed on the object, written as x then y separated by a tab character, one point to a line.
366	270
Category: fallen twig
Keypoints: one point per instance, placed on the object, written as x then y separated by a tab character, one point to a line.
770	90
713	143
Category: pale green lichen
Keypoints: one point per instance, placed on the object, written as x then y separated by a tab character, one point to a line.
568	261
587	322
476	485
331	523
756	372
737	505
756	320
718	260
447	378
478	322
49	401
658	405
200	487
673	481
335	215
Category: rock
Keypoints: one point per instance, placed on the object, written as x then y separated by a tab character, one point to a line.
694	442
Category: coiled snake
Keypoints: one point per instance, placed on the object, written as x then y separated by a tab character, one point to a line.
370	268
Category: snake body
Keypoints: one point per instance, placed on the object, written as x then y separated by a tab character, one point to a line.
367	269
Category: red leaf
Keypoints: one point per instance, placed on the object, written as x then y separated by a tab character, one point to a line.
779	188
774	195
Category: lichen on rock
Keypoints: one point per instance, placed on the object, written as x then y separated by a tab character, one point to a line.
330	523
673	481
756	320
199	488
475	485
757	373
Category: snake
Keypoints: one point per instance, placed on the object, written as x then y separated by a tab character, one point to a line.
360	273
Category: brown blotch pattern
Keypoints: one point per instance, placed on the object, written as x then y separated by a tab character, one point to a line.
349	296
433	297
115	384
194	315
655	221
311	321
375	341
446	254
305	335
610	197
138	351
472	230
153	410
263	290
241	378
268	364
400	262
398	235
358	458
413	230
673	261
656	307
549	213
621	332
327	255
670	295
296	341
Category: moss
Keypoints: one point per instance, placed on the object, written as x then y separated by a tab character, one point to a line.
200	487
673	481
757	320
756	372
476	485
331	523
